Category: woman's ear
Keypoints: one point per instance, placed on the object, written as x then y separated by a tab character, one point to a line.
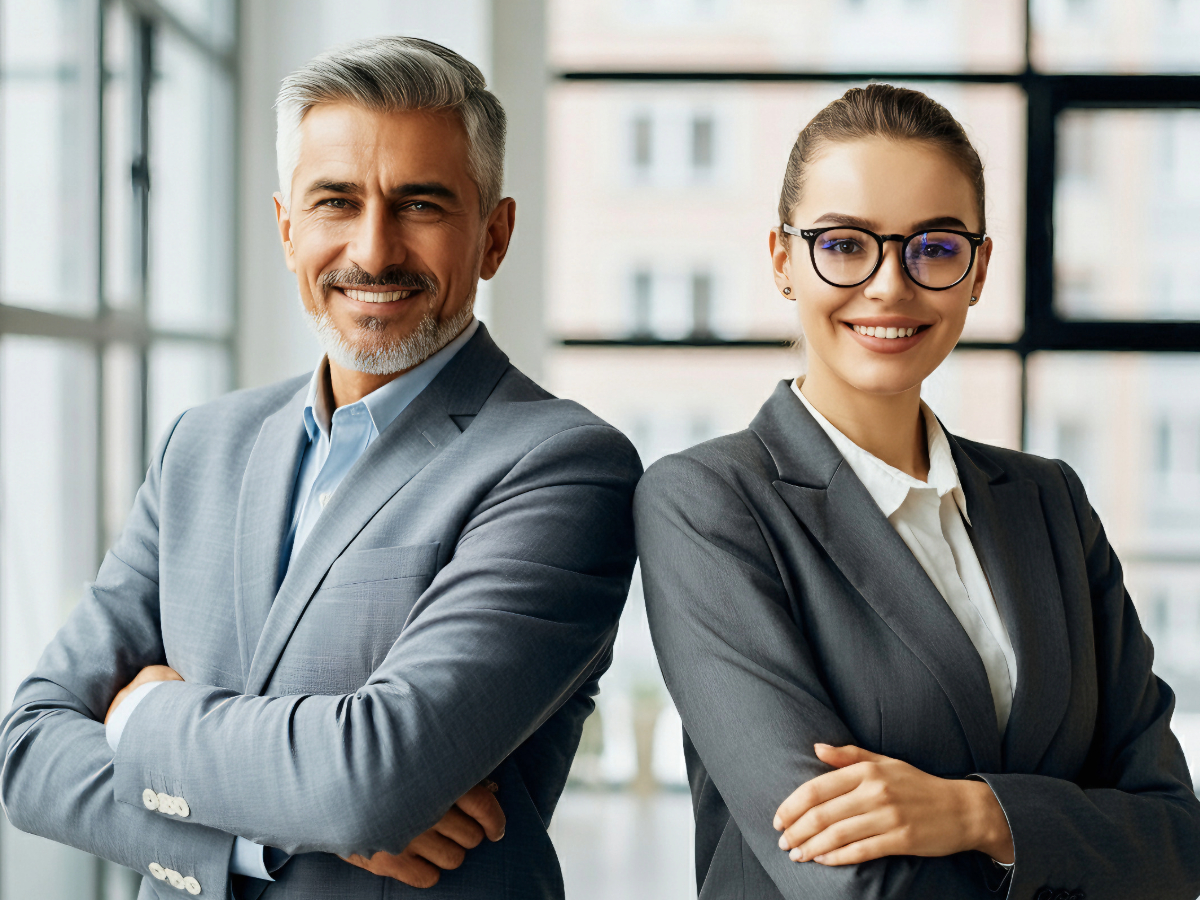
982	257
781	262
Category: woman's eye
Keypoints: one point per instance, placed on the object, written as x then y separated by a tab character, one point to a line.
841	246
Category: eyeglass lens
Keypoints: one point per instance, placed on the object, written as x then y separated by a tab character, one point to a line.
848	256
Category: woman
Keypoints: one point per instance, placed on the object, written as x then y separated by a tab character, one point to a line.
906	662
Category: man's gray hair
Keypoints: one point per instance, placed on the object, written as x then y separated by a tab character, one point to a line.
396	73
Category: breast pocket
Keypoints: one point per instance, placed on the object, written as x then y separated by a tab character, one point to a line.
354	619
381	564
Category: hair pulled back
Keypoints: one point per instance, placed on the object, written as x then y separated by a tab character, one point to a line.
881	110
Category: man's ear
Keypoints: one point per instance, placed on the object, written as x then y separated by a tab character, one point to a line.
284	221
498	232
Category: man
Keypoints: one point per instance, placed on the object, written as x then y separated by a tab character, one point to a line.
345	602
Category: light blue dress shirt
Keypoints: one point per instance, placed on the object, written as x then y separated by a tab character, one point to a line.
335	443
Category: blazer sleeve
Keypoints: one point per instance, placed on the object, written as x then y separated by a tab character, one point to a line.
57	775
507	632
1131	827
743	677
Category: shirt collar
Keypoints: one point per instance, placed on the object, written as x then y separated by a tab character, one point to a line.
889	486
384	403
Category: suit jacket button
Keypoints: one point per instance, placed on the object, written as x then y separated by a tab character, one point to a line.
181	808
1045	894
150	799
174	878
158	871
191	885
166	804
1063	895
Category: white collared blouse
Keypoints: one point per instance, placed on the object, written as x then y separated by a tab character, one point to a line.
928	517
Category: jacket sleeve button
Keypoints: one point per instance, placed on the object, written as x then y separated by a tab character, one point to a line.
166	804
191	885
150	799
181	808
158	871
175	879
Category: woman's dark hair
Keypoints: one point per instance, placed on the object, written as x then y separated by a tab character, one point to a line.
880	110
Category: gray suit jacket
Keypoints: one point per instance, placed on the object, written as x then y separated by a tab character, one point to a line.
786	611
447	619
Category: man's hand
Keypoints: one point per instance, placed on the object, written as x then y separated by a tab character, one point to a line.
873	806
444	846
148	674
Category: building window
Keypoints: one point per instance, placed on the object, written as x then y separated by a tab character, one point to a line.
643	143
703	139
702	299
643	303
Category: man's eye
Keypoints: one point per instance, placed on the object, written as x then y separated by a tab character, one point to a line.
333	203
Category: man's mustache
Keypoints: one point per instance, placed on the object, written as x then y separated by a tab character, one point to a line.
395	276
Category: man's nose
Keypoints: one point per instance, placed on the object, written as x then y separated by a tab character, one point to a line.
378	241
889	283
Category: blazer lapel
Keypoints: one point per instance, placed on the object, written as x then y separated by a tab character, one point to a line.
405	447
262	520
828	499
1009	531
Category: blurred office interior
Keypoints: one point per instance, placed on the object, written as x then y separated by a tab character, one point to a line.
140	274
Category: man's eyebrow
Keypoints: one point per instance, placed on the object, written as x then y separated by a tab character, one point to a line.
423	189
332	187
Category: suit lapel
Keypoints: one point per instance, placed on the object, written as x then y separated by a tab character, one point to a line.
262	520
1010	536
824	494
404	448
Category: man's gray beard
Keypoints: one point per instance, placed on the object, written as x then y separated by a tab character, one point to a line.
430	336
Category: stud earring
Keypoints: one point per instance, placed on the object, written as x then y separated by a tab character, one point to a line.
974	300
787	292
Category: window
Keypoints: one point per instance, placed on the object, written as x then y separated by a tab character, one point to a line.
1084	346
116	307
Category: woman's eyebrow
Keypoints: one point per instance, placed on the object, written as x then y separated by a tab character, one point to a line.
941	222
842	219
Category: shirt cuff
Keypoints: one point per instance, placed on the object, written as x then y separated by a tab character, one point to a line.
250	859
117	721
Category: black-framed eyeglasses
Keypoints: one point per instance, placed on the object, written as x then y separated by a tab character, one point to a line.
847	257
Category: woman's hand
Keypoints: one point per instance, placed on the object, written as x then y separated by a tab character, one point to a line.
872	806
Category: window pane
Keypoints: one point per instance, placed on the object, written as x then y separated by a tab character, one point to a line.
191	196
661	199
182	374
1116	35
977	395
124	464
808	35
49	187
1126	235
121	243
213	21
1129	424
48	511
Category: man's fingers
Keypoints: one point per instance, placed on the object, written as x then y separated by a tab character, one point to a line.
439	850
405	867
814	792
460	828
481	805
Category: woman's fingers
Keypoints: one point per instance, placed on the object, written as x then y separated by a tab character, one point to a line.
860	851
840	757
814	792
825	815
869	824
460	828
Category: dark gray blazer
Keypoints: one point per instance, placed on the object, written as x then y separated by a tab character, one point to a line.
447	619
786	611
